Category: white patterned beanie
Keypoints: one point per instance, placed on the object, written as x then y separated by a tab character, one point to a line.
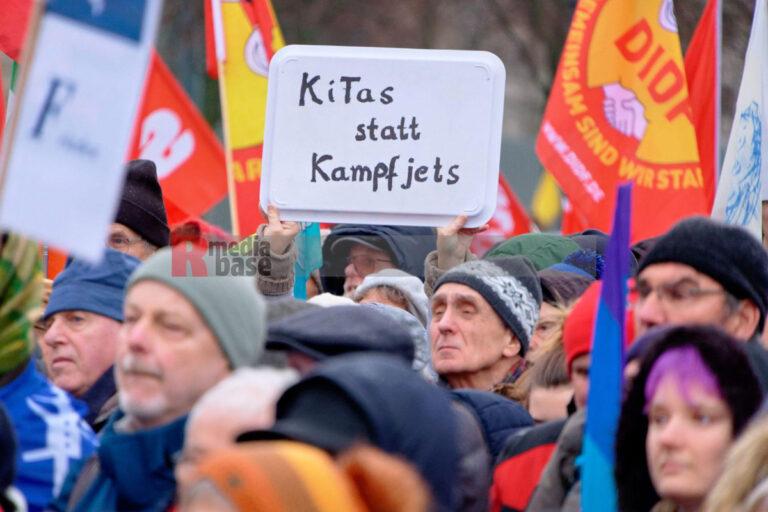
510	285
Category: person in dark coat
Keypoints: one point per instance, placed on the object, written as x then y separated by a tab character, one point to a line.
379	400
351	252
694	394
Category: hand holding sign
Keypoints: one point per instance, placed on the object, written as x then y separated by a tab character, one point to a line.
280	234
453	242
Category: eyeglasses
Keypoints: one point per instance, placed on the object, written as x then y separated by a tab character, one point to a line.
120	242
681	292
365	264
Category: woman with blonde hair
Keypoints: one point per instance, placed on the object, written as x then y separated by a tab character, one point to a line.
743	486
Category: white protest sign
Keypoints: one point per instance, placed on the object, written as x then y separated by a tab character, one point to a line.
74	117
382	135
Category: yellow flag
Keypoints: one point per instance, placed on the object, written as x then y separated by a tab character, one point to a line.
247	36
545	205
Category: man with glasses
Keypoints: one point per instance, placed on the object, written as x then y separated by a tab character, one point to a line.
351	252
705	272
141	225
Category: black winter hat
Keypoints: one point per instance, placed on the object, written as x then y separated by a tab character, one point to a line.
141	205
728	254
510	285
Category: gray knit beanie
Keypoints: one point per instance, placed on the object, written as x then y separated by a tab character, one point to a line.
410	286
230	306
510	285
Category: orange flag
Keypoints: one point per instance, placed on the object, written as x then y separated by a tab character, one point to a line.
619	111
171	132
702	67
247	35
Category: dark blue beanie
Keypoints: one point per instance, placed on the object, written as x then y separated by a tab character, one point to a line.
96	288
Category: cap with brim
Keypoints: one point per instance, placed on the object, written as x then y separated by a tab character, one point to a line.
316	412
344	244
295	345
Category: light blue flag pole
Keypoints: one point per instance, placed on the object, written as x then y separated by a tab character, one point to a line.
598	490
310	257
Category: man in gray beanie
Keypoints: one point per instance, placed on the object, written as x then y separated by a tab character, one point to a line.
483	315
181	335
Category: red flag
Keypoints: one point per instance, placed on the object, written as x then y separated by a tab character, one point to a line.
510	219
2	109
702	67
573	221
619	111
13	26
211	67
171	132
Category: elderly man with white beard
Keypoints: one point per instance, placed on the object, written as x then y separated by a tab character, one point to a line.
181	335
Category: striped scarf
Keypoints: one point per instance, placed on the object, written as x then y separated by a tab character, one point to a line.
21	288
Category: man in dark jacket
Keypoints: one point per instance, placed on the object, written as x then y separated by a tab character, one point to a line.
706	272
351	252
82	321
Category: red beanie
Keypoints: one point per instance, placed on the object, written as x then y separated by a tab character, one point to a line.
580	324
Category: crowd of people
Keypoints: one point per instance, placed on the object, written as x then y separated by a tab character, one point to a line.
416	377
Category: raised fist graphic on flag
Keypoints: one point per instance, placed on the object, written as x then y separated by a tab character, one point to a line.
624	111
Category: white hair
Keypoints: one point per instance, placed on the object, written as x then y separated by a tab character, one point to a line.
247	392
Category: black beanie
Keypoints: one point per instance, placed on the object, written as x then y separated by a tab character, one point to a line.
728	254
510	285
141	205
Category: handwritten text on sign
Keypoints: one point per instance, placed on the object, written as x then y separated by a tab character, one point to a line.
373	131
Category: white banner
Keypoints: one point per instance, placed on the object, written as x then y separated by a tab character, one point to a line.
74	117
738	199
382	135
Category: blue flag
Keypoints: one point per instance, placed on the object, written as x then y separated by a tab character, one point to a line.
598	490
310	257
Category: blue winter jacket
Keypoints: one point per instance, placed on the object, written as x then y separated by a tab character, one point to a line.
52	436
133	471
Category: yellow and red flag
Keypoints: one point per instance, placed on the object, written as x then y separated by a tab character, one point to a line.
247	35
619	111
171	132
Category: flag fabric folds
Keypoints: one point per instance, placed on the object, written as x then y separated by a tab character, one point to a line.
619	111
13	26
248	35
702	68
742	182
598	491
171	132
